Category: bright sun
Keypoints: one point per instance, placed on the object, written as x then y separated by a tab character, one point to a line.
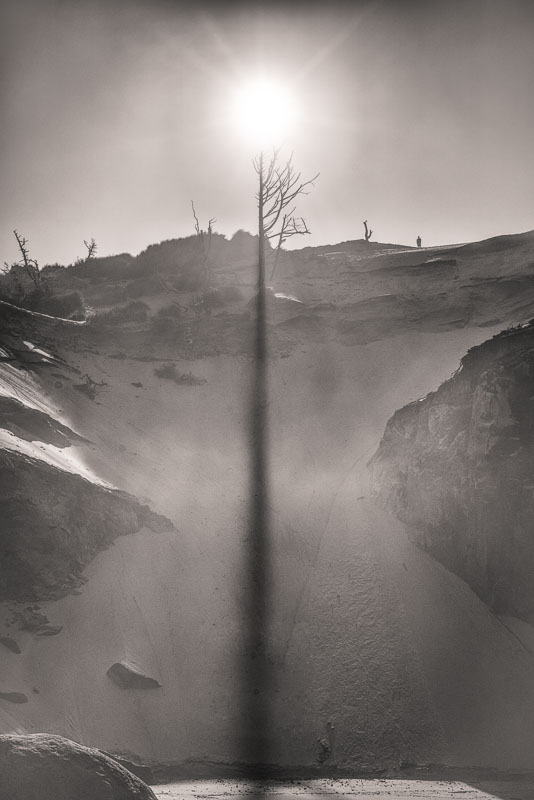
264	112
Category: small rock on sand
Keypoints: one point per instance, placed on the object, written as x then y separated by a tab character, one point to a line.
129	676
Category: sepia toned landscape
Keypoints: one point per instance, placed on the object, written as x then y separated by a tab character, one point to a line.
266	494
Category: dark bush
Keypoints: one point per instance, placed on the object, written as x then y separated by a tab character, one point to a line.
117	267
52	269
66	305
43	299
108	294
169	372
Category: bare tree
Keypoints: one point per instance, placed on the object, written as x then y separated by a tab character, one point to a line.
92	247
279	187
204	240
30	265
368	231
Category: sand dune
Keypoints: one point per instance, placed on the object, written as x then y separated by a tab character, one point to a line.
377	649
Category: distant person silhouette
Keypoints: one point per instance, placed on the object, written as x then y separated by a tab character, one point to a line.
418	241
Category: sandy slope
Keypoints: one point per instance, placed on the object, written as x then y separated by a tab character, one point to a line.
377	649
369	634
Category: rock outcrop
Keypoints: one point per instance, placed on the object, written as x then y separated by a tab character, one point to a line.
129	676
43	767
458	468
14	697
11	644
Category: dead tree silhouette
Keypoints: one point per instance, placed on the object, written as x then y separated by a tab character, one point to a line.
204	240
278	188
92	247
30	265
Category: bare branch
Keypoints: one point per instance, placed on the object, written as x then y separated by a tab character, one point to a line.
205	249
288	186
92	247
279	186
197	226
30	265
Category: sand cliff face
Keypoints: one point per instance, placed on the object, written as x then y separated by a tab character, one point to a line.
457	468
55	524
56	513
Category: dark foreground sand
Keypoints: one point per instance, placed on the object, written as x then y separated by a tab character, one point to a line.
491	789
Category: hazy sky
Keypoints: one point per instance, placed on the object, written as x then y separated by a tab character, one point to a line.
418	115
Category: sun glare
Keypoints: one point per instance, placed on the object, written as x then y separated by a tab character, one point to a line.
264	112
